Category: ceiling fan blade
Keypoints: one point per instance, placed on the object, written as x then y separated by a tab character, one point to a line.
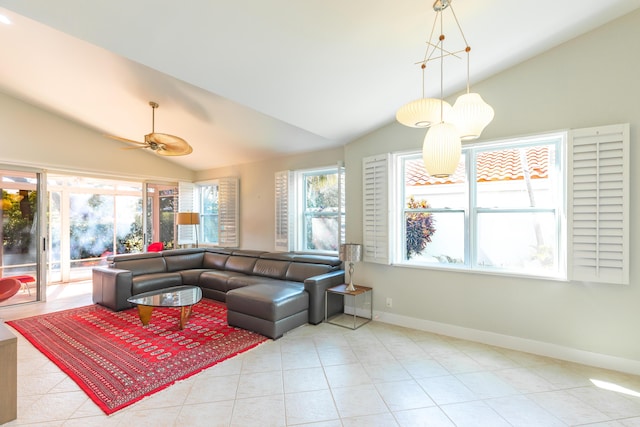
119	138
135	148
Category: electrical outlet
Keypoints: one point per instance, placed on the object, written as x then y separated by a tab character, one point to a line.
389	302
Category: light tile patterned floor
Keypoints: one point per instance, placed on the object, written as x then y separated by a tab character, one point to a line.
327	376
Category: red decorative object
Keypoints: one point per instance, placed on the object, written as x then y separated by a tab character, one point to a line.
117	361
155	247
25	279
9	287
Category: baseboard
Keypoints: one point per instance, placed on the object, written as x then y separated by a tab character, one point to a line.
514	343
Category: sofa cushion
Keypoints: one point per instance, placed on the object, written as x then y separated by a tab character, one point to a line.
248	252
184	262
271	268
191	277
214	260
142	266
246	280
242	264
299	271
152	282
318	259
217	279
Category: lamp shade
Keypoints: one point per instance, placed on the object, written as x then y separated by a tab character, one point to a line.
441	150
423	112
351	252
471	115
188	218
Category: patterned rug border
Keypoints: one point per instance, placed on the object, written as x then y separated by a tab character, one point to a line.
57	360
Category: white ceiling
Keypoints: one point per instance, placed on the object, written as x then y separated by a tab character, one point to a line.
246	80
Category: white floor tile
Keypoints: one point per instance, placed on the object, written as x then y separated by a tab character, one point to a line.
310	407
423	417
359	401
568	408
402	395
474	414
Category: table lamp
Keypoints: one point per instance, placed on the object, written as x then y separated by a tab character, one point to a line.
351	253
189	218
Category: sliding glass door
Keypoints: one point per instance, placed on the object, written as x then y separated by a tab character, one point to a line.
90	219
21	251
84	220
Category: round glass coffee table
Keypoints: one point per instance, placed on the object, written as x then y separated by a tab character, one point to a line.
178	296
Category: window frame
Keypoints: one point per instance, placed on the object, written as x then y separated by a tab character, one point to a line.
190	200
471	211
291	214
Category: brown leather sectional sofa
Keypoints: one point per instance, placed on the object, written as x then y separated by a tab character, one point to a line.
267	292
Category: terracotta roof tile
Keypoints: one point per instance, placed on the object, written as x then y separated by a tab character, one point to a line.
501	165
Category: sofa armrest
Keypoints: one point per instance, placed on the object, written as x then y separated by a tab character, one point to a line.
317	286
112	287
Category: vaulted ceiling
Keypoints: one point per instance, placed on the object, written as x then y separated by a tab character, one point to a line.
247	80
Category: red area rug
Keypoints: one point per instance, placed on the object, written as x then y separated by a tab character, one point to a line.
117	361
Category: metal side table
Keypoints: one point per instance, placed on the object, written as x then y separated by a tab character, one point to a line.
359	299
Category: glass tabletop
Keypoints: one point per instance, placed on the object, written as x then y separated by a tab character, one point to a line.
177	296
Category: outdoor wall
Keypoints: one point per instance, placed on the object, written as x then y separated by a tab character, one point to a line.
589	81
33	137
257	192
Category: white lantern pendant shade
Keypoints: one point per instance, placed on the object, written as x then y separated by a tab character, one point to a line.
471	115
423	112
441	150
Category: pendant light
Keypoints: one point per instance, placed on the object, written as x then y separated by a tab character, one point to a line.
442	146
471	113
462	122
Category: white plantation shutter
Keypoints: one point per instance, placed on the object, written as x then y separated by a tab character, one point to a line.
187	202
342	208
375	208
599	204
228	212
284	235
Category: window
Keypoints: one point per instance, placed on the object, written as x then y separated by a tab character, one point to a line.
507	198
511	207
310	210
217	203
209	213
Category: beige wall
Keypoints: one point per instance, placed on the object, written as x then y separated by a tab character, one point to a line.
257	203
590	81
30	136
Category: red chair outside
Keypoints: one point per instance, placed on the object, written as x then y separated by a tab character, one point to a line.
9	287
155	247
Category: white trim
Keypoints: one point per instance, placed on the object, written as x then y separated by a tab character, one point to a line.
540	348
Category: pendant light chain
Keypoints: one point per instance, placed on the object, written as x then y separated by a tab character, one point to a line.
441	43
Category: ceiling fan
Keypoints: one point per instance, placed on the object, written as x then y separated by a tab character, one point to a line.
161	143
